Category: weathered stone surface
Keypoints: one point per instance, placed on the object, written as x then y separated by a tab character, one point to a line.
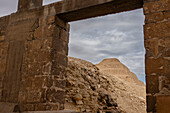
3	58
34	47
156	6
28	4
32	37
11	82
38	63
19	30
152	86
156	33
163	108
7	107
81	9
157	47
37	57
160	66
157	17
164	85
151	101
157	30
2	38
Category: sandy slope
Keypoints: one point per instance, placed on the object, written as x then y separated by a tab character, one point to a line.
107	87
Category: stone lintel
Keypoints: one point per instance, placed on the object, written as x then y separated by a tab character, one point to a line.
73	10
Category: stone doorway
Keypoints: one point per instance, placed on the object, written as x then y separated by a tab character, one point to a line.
32	32
99	33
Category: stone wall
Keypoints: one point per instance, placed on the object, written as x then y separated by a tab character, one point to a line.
3	51
28	4
33	56
157	44
34	46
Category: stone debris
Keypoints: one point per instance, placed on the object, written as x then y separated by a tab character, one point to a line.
88	89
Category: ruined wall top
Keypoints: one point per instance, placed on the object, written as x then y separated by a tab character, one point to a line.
28	4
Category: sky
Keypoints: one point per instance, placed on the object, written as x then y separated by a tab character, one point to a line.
111	36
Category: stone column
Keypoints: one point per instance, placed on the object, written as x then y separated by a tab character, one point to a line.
44	64
157	44
33	59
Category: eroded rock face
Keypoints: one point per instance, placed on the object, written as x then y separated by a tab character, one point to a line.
88	89
114	67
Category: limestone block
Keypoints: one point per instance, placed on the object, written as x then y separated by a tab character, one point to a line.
157	17
2	32
6	107
163	103
165	42
41	107
61	46
151	101
45	31
32	90
152	86
159	30
62	24
0	91
159	66
152	48
3	58
65	35
20	30
60	59
156	6
58	71
28	4
33	96
11	82
37	58
45	107
36	63
55	96
50	19
60	83
2	38
164	45
164	85
157	47
28	107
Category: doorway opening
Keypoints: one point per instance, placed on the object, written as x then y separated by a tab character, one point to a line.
119	40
